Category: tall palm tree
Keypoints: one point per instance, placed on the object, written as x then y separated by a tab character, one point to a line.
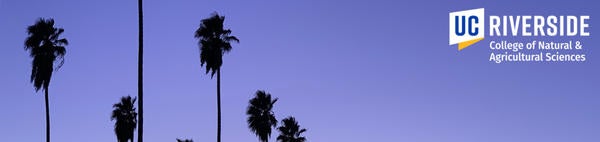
141	70
260	115
45	46
126	117
290	131
214	42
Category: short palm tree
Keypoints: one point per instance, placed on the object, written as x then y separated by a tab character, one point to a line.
260	115
290	131
126	117
45	46
214	42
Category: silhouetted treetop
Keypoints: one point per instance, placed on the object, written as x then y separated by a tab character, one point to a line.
45	46
260	115
290	131
126	117
214	42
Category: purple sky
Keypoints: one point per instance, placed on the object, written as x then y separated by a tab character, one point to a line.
360	71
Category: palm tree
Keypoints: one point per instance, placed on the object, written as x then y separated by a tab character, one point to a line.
141	70
214	42
290	131
260	115
126	118
45	46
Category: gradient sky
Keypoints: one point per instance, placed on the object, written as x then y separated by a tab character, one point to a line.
358	71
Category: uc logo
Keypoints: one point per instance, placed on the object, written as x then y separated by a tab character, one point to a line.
467	27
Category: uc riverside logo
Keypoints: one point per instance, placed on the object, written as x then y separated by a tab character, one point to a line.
532	32
467	27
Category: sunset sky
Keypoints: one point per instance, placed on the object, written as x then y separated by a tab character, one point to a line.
349	71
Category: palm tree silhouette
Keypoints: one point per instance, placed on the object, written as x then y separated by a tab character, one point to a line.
126	118
45	46
141	70
290	131
260	115
214	42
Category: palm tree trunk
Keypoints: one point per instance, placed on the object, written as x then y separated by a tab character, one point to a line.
47	115
219	105
140	73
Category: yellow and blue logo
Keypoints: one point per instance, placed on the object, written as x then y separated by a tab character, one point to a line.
467	27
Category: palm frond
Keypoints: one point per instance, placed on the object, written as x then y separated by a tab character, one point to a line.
126	118
260	115
290	131
44	47
213	42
